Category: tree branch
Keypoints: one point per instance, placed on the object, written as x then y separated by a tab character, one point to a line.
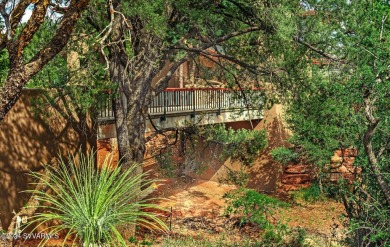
18	12
7	22
243	64
32	26
21	73
316	50
367	142
158	131
163	82
60	38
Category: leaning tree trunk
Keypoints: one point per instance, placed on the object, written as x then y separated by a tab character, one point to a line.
20	72
367	142
12	89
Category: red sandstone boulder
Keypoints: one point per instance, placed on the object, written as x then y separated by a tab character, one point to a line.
296	169
338	153
332	166
350	152
336	159
343	169
349	160
295	178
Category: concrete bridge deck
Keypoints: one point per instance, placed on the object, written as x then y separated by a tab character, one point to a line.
180	107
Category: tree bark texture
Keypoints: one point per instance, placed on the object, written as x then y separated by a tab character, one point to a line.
133	77
367	142
20	72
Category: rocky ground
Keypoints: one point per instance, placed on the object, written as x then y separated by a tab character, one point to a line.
197	208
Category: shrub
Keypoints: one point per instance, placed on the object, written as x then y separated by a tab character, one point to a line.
166	163
93	204
240	145
252	207
284	155
310	194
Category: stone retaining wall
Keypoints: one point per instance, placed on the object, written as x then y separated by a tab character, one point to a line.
297	176
341	166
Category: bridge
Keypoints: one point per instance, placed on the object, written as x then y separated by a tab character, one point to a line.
179	107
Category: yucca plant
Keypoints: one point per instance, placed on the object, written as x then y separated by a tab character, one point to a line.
92	204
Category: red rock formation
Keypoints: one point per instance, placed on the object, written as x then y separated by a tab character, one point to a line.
341	166
296	176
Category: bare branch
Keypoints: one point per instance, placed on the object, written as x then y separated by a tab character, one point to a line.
7	22
367	142
108	32
233	59
382	27
59	9
158	131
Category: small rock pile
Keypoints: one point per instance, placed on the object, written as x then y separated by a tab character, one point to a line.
341	166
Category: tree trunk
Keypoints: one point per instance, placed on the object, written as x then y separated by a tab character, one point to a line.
133	82
373	161
12	89
20	72
367	142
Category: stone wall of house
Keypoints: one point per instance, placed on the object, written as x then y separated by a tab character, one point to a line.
29	139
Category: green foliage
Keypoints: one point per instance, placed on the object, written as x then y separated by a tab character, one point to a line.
240	145
146	243
83	86
165	162
284	155
256	208
280	235
55	73
252	207
239	178
328	111
151	12
321	123
4	66
93	204
221	241
310	194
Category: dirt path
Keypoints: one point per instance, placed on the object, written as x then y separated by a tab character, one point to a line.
198	205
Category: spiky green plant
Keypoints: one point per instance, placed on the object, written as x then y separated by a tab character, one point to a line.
93	204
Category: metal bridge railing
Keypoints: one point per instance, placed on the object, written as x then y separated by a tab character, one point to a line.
192	100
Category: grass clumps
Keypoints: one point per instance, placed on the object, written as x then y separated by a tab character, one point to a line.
92	204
